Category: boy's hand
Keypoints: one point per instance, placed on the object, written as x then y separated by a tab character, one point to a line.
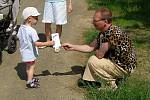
50	43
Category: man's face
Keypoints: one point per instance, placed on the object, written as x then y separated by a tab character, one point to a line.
98	22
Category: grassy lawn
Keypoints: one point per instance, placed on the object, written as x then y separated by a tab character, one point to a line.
135	87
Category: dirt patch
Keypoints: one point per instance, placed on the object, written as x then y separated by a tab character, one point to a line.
64	65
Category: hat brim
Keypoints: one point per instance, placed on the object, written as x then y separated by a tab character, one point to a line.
36	14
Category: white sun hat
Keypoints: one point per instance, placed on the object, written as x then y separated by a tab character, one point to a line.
30	11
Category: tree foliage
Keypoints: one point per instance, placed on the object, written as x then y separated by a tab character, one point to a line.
127	9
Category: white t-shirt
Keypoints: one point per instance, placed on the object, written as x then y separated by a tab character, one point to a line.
27	36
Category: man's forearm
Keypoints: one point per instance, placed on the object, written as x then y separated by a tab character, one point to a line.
83	48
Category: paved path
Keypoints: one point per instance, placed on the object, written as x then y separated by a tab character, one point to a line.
66	64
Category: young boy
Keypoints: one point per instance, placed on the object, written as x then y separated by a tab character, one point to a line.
28	39
55	11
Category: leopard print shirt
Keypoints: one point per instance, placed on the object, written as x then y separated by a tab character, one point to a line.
121	50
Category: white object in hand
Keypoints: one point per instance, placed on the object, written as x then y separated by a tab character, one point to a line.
55	38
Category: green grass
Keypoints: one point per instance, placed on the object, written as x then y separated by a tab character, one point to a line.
90	34
128	91
135	21
125	23
136	87
133	11
141	38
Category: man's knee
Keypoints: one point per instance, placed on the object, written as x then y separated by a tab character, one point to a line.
92	60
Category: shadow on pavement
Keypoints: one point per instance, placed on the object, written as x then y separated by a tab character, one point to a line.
44	73
21	71
74	70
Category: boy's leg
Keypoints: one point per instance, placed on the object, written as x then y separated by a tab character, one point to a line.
31	81
59	29
30	70
48	30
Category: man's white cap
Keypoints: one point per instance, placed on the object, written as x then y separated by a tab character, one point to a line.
30	11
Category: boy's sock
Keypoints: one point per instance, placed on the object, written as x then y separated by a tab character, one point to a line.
29	81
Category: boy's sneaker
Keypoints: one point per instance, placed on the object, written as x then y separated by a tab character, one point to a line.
33	85
35	79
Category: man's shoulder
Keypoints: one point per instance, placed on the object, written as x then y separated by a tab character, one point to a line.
115	28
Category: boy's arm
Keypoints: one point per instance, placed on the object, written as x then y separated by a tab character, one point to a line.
47	43
70	6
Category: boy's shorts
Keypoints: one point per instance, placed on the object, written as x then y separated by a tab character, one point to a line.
55	12
30	62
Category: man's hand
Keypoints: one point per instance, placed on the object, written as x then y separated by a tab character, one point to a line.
68	46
